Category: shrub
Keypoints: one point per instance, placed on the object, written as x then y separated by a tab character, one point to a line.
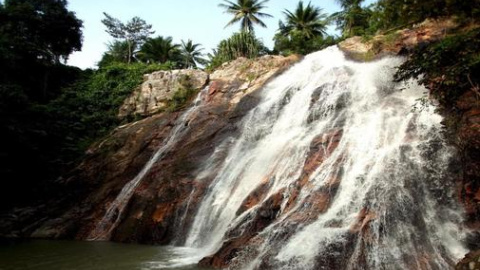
448	68
243	44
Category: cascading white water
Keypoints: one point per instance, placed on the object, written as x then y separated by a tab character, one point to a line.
392	162
112	216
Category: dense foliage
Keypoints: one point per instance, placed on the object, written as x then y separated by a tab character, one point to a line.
35	36
448	68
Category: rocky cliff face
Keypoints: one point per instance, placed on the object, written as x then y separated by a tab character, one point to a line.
153	211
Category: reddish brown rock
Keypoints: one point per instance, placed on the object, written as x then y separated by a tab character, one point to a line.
250	228
255	197
363	219
471	261
396	42
321	148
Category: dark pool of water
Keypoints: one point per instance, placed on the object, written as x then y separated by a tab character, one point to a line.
78	255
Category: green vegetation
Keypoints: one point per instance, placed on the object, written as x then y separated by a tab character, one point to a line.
191	54
182	95
448	68
160	50
133	33
117	52
35	36
352	20
307	21
303	32
243	44
247	12
87	110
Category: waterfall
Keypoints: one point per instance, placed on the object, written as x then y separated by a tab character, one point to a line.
113	215
357	179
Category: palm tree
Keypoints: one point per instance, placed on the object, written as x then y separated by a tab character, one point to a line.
191	54
309	21
348	3
159	50
246	11
351	18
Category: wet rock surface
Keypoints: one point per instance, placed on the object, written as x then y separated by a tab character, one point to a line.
470	262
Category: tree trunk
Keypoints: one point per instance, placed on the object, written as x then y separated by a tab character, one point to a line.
129	51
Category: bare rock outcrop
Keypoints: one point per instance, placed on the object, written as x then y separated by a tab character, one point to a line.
397	41
158	88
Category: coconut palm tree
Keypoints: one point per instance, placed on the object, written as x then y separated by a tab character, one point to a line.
352	19
191	54
160	50
307	21
246	11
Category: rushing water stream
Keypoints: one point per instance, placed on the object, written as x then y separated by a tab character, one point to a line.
387	181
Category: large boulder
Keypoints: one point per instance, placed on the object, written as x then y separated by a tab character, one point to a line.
158	88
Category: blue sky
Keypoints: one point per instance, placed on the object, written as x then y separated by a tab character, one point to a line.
200	20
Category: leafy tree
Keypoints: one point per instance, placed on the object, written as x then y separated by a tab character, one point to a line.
247	12
35	36
117	53
40	30
134	32
191	54
159	50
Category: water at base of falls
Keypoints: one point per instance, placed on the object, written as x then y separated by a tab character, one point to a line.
78	255
364	182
